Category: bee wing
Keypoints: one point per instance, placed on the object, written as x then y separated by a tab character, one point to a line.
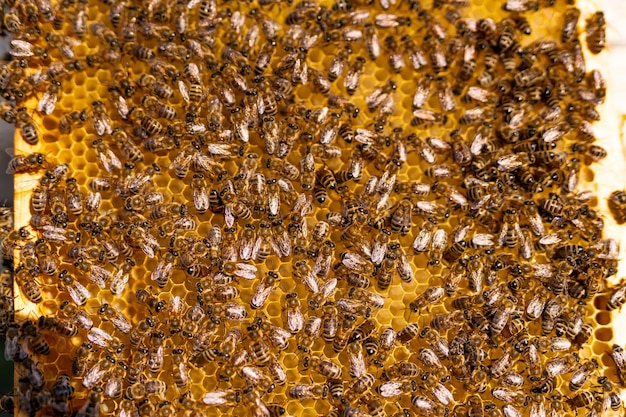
184	91
229	218
328	288
215	398
21	48
99	337
246	271
352	80
273	204
295	320
422	240
93	376
118	282
390	389
378	253
47	103
311	282
78	292
404	268
113	387
122	323
322	266
260	296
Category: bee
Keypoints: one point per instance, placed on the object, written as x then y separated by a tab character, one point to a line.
29	286
581	374
619	358
26	125
396	58
62	390
400	220
264	57
330	323
47	103
617	298
36	340
277	373
312	330
293	314
320	83
407	333
27	163
159	89
582	400
617	205
308	391
325	368
200	194
159	109
91	408
118	319
146	298
353	76
342	6
59	326
569	32
372	42
259	350
266	104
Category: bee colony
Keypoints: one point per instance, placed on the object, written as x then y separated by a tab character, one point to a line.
308	208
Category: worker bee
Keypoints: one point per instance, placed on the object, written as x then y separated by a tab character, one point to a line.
26	125
308	391
581	374
617	205
293	314
353	76
264	57
568	32
396	58
617	298
27	163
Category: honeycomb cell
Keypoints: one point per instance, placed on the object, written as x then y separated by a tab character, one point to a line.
603	318
604	334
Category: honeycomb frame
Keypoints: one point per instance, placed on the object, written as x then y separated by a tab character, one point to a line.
395	312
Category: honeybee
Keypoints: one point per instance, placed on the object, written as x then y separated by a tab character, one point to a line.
101	120
619	358
596	35
617	298
569	32
396	57
293	314
27	163
26	125
353	76
308	391
582	374
72	119
264	57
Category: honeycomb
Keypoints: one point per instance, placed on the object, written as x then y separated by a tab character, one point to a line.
341	230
